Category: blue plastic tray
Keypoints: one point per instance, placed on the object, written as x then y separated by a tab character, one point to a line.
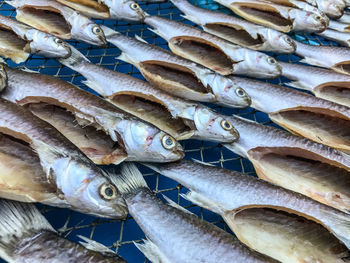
120	235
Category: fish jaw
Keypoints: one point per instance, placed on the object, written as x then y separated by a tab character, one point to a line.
258	65
227	92
126	10
47	45
3	77
213	126
84	187
279	42
86	30
146	143
308	21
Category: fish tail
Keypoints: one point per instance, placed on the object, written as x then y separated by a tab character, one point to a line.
74	60
18	221
130	180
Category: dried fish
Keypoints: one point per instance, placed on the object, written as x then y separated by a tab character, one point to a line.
63	104
26	236
339	26
18	41
332	8
236	30
336	36
182	119
345	18
303	114
324	83
107	9
176	75
52	17
175	235
3	76
68	173
213	52
335	58
279	17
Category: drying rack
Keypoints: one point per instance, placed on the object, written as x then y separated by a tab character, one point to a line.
119	235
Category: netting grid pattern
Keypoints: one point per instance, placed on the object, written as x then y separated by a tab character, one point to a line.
120	235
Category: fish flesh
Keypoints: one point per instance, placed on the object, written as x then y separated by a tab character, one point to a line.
236	30
18	41
288	238
302	114
323	83
227	193
339	26
26	236
295	163
332	8
176	75
279	17
91	123
181	119
52	17
335	58
107	9
211	51
175	235
336	36
76	179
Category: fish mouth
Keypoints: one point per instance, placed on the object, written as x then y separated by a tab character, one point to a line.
68	49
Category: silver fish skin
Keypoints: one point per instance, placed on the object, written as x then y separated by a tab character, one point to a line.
242	61
72	24
108	9
206	123
335	58
78	181
249	35
3	77
140	140
345	18
227	192
324	83
32	41
175	235
332	8
339	26
279	17
341	38
26	236
212	87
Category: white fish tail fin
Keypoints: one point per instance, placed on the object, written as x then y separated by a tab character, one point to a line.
140	39
177	206
313	62
201	201
151	251
299	85
130	180
157	32
13	3
124	57
74	59
94	86
18	221
108	31
203	163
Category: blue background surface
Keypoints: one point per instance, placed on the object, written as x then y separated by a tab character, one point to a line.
120	235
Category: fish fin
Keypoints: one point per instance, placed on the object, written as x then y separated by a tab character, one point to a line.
17	221
140	39
124	57
109	32
94	86
155	31
201	201
190	18
177	206
130	180
12	3
204	163
151	251
298	85
74	59
25	69
313	62
95	246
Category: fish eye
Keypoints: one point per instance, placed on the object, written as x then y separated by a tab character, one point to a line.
168	142
288	39
108	192
271	60
240	92
58	41
226	125
96	30
134	6
317	17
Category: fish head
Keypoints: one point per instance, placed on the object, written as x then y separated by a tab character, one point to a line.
332	8
144	142
3	77
88	188
91	33
315	22
281	42
259	65
47	45
228	93
213	126
126	10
